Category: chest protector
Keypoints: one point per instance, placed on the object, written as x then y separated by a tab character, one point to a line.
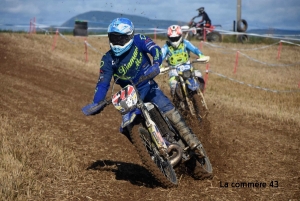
177	56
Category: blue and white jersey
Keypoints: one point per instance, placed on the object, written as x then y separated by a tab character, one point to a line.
130	65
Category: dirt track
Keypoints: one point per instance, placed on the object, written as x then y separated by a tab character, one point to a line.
42	95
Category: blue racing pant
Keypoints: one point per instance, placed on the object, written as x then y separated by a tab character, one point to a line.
150	92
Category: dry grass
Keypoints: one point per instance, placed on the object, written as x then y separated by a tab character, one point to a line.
37	153
280	105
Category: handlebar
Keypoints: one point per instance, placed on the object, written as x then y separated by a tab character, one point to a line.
106	102
170	67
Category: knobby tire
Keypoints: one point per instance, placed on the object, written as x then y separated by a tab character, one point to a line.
138	131
200	169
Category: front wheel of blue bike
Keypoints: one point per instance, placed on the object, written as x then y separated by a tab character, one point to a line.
157	165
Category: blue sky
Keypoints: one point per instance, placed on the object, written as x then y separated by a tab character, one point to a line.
282	14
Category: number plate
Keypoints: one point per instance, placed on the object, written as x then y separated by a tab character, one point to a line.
125	99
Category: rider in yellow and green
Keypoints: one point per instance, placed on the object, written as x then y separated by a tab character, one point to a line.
177	51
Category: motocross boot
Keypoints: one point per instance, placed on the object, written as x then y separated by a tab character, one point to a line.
172	92
184	131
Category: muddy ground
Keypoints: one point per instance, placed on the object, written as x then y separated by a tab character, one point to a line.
40	96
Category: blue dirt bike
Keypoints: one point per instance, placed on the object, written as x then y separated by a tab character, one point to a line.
189	98
158	144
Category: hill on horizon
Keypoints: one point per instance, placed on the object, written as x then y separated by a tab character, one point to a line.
103	18
98	20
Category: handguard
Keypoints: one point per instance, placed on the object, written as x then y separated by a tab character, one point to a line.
164	70
152	72
93	108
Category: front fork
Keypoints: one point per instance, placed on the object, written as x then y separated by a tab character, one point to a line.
155	133
185	94
199	92
189	101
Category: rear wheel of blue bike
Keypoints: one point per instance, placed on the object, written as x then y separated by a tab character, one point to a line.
200	167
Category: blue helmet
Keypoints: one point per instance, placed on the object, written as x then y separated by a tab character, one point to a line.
120	34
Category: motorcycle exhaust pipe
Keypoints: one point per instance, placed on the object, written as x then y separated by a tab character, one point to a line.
176	153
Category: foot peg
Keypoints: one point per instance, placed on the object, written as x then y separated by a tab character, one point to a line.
199	152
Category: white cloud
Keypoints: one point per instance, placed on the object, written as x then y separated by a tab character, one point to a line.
18	6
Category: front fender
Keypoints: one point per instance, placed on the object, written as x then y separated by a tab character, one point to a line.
129	117
192	84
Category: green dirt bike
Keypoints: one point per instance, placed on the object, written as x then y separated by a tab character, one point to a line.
158	144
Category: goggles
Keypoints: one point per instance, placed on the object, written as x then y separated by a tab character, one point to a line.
119	39
174	39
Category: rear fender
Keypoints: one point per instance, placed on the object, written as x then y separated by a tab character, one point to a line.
185	28
211	28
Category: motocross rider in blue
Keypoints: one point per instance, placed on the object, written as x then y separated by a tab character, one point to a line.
177	51
128	59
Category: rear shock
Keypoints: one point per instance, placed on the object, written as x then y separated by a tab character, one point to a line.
161	124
